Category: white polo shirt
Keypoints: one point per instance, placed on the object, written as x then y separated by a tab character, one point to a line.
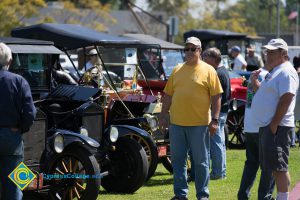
282	79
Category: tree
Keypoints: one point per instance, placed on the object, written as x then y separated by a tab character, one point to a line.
171	7
256	16
89	13
13	12
248	16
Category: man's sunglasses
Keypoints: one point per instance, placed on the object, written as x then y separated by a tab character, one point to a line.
190	49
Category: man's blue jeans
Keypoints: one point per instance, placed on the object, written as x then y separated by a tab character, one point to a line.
195	138
11	154
266	184
218	150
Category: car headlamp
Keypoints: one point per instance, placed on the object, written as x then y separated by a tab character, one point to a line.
152	121
113	134
59	143
84	131
234	104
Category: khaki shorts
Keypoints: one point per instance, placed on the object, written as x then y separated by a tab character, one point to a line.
274	148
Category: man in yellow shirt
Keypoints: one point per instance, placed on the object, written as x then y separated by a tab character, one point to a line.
192	89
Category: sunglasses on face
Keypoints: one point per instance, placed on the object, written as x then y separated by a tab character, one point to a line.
269	52
190	49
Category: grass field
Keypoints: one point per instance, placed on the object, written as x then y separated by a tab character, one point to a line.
160	187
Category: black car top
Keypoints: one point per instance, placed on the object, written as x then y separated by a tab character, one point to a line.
20	45
69	36
148	39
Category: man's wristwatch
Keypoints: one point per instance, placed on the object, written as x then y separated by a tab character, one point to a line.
215	120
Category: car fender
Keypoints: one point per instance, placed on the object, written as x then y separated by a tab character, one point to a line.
126	129
71	138
131	121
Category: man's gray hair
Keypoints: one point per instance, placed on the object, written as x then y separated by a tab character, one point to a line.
213	53
5	55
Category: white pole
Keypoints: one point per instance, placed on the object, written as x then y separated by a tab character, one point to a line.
297	25
278	19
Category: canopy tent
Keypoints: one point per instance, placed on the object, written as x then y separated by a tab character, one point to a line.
69	36
20	45
148	39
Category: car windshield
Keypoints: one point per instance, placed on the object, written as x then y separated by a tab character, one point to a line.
170	59
33	67
123	61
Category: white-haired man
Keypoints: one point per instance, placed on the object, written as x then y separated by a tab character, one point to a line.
273	109
17	113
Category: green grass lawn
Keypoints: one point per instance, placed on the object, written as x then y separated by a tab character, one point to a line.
160	185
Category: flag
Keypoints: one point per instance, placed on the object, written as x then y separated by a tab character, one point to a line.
293	15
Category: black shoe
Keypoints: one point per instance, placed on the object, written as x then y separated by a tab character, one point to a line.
179	198
190	179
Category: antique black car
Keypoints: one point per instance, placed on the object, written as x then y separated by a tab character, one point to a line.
68	136
69	37
49	150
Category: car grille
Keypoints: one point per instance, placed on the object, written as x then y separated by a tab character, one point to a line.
94	124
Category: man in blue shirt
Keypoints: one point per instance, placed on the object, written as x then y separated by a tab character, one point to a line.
17	113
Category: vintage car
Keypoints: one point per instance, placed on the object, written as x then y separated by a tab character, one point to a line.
122	105
48	148
69	136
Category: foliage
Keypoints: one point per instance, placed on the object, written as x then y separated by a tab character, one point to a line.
79	12
114	4
117	4
261	14
172	7
179	8
230	19
13	12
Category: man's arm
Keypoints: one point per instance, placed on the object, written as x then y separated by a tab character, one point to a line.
244	67
164	115
282	107
215	111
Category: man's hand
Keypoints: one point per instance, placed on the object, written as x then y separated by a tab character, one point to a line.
163	122
164	117
254	79
282	107
273	127
212	127
254	75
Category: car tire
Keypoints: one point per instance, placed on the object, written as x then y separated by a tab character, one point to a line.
75	161
151	151
129	167
235	125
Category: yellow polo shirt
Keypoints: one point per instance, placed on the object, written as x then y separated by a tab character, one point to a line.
191	88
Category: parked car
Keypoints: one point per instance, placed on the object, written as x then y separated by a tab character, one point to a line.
68	37
46	147
73	118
